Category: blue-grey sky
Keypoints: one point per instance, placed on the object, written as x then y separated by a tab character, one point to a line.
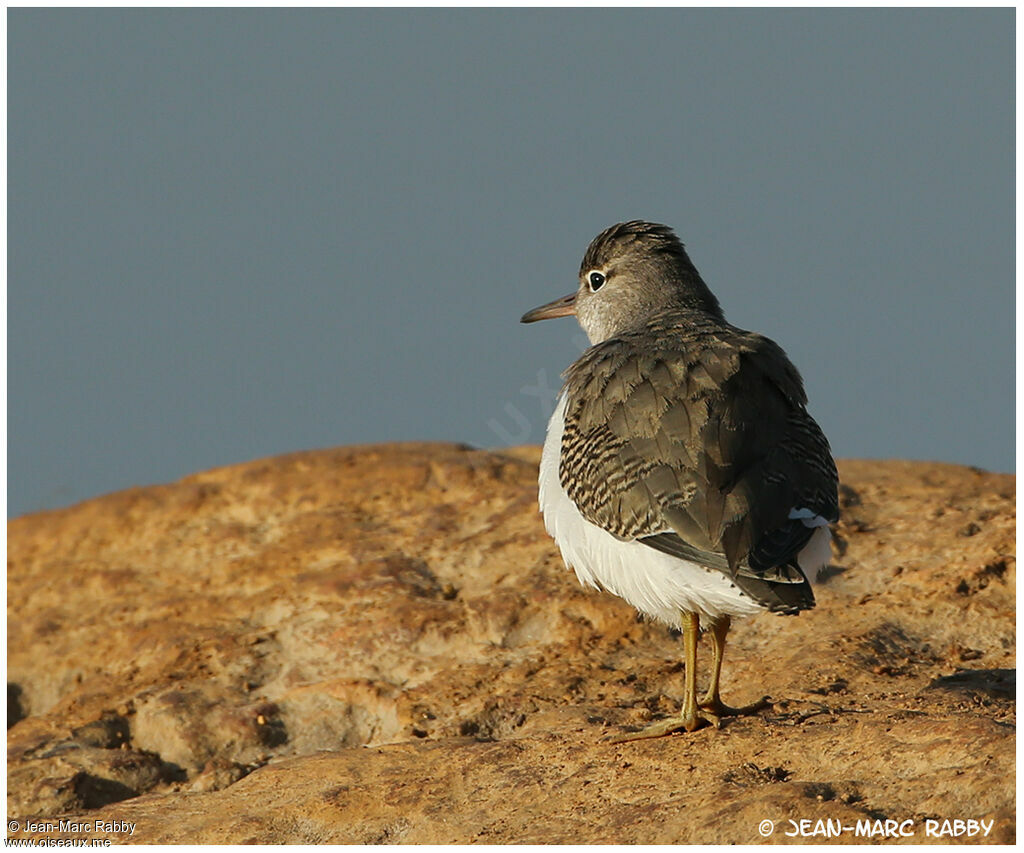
237	233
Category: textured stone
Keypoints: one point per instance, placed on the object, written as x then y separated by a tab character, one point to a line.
380	644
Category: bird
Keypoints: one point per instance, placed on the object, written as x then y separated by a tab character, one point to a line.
681	469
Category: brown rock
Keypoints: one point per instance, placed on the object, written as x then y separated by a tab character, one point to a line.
380	644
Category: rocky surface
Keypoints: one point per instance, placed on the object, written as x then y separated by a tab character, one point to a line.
380	644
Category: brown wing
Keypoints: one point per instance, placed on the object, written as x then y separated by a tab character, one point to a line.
698	446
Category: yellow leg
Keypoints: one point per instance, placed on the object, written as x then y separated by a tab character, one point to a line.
712	700
690	717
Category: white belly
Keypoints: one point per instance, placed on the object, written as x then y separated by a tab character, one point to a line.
660	585
657	584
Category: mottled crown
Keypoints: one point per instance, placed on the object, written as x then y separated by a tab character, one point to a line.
646	238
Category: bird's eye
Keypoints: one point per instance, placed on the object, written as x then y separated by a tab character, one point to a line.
596	281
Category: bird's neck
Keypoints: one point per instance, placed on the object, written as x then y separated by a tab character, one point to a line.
694	295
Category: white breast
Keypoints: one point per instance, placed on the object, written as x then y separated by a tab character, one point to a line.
660	585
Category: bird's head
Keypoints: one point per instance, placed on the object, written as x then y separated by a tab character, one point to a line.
629	272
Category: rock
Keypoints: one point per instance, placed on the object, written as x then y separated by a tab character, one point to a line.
380	644
68	777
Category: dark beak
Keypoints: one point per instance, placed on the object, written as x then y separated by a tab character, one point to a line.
564	307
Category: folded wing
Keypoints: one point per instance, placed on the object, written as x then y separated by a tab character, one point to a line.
701	447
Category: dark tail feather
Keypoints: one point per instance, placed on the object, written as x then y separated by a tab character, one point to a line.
778	597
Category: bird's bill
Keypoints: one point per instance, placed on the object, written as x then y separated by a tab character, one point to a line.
562	307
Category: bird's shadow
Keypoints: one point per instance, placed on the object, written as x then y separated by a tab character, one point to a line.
997	683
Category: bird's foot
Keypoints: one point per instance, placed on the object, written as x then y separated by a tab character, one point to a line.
717	708
698	718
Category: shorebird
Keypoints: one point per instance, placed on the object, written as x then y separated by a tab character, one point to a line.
681	470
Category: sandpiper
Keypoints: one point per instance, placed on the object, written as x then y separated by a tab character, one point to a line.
681	470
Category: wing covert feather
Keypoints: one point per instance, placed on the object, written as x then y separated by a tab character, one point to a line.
694	436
